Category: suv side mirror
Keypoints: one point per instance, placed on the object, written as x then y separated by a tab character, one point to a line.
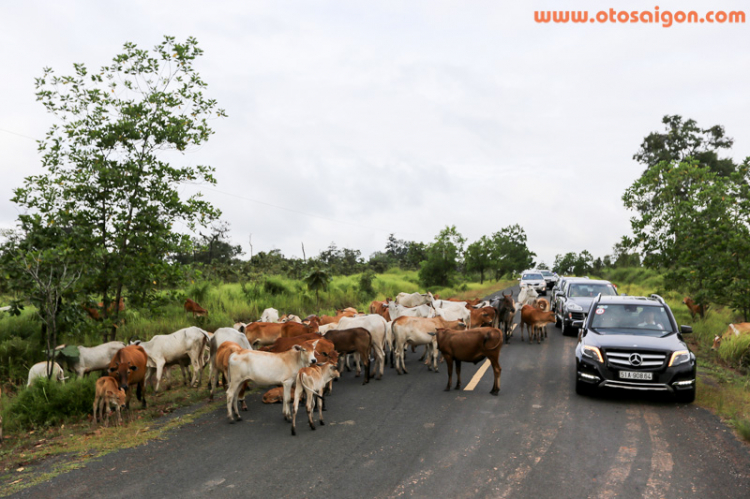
686	329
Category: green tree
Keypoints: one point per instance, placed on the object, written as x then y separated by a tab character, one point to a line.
479	256
684	139
317	280
699	233
443	258
105	167
511	253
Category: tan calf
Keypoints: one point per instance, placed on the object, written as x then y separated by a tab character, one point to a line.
108	395
312	380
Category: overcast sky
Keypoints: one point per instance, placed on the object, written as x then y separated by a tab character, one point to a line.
359	118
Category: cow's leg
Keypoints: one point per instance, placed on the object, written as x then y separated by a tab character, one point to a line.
119	414
287	398
96	408
195	361
212	378
366	365
449	363
310	407
232	392
321	408
400	356
380	360
434	349
242	396
159	372
141	390
424	355
357	363
295	405
458	374
496	369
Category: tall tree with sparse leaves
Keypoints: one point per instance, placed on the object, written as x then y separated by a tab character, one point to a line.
107	170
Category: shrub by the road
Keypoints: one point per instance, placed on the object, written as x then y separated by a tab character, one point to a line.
49	403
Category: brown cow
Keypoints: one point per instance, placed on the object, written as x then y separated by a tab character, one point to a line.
733	331
128	367
327	319
471	345
694	308
291	329
381	308
535	321
94	312
354	340
108	395
325	351
482	316
191	306
275	395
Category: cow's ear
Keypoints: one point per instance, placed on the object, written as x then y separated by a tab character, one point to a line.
298	348
133	368
112	369
242	329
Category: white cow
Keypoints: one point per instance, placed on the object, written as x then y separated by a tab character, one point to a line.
416	331
269	315
396	311
291	318
41	370
454	314
527	296
221	335
266	369
414	299
448	304
169	349
95	358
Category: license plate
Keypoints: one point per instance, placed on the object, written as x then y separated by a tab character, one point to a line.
636	375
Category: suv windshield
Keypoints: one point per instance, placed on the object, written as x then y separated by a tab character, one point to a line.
648	320
529	277
583	289
547	273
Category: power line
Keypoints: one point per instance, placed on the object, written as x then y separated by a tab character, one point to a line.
19	134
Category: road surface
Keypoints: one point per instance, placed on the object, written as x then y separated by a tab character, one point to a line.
404	436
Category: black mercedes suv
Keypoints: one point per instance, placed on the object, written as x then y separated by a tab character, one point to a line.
634	343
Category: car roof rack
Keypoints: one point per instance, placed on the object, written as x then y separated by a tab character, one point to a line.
657	297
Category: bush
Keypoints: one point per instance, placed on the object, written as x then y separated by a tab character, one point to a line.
274	287
198	292
365	283
48	403
16	356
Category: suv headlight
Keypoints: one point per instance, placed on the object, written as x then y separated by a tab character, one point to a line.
575	308
592	353
679	357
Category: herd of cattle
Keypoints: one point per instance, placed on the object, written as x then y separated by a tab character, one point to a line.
300	358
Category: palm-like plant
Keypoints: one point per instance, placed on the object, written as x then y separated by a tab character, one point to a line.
317	280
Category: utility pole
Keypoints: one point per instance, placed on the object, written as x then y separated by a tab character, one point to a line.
251	246
304	258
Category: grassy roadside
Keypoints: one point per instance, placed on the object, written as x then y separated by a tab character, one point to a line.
36	456
723	375
39	455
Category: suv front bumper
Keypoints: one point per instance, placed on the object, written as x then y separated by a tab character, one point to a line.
669	379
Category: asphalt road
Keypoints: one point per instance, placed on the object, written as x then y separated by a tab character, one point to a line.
404	436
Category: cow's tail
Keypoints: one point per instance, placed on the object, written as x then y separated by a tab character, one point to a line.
487	338
307	388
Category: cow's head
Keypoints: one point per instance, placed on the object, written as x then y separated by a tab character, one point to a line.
120	371
307	356
717	343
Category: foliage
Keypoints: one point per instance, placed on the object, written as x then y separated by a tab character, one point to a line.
479	256
48	403
692	224
365	283
684	139
443	258
105	172
274	286
510	251
317	280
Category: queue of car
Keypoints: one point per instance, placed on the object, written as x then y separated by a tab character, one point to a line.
624	342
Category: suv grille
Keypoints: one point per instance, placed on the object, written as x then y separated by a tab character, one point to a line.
578	316
635	359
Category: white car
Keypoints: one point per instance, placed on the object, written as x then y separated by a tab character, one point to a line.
534	280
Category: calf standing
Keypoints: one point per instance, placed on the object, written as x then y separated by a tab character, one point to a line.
108	395
312	380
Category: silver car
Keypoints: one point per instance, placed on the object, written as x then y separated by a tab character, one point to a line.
534	280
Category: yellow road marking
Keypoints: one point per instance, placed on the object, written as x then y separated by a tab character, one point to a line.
477	376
